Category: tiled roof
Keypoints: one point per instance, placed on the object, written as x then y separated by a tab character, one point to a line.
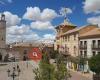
65	23
76	29
93	32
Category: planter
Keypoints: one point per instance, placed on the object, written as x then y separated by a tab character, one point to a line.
96	77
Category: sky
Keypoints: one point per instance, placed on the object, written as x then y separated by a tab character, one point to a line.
30	20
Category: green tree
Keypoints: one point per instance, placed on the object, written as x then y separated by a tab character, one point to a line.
46	70
94	64
61	72
53	54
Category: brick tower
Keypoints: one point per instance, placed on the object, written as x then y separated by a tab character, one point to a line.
2	35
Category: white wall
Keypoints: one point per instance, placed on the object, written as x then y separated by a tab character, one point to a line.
89	46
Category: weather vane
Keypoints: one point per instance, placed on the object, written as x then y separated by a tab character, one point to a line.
63	12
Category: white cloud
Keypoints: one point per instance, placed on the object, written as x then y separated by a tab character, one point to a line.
18	30
48	38
34	13
48	14
92	6
41	25
11	19
16	38
18	33
94	20
10	1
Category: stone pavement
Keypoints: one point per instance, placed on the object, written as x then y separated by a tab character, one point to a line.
76	75
80	76
26	70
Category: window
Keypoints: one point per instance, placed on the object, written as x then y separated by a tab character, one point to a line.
98	43
65	38
74	36
81	53
68	49
85	53
65	48
94	43
81	42
75	50
68	38
85	42
94	53
98	52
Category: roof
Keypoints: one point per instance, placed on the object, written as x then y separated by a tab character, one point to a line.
93	32
76	29
65	23
26	44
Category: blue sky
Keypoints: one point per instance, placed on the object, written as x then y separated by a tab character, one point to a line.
29	14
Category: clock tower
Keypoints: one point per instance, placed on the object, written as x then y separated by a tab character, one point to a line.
2	35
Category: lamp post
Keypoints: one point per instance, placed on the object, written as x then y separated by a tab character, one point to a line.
15	72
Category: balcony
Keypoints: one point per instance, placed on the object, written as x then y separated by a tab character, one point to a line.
83	46
95	47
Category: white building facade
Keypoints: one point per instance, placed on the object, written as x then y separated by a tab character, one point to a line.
90	45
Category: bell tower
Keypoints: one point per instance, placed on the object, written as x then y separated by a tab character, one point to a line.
2	34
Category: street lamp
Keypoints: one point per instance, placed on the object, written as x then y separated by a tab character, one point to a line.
15	73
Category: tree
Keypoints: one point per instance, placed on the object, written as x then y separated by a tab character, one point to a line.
94	64
53	54
46	70
61	73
